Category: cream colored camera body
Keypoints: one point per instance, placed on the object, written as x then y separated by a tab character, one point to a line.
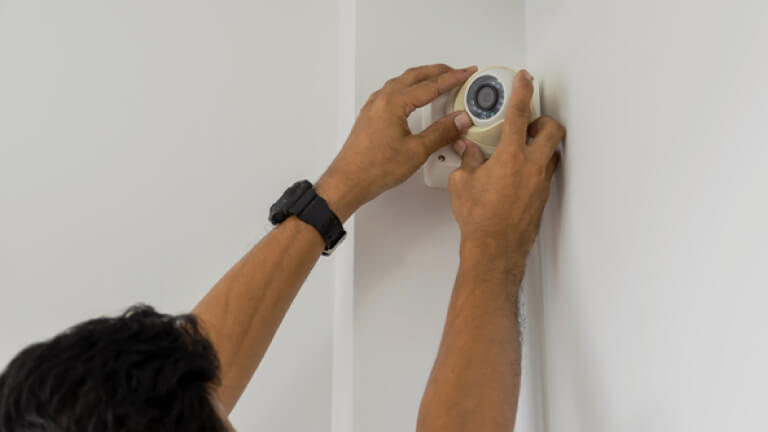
485	97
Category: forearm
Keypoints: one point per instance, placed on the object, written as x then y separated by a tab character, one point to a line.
475	381
242	312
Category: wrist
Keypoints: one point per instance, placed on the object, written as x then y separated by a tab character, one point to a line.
494	256
342	197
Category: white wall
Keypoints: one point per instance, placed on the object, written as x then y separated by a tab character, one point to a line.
654	242
406	245
140	146
139	151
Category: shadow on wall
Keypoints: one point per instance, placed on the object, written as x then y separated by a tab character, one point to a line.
581	371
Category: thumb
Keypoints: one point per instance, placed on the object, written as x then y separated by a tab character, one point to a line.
471	155
444	131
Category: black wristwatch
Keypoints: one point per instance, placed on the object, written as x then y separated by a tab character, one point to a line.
302	201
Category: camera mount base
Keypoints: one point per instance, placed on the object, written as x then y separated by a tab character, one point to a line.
441	163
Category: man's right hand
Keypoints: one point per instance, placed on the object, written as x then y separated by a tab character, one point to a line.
475	383
498	204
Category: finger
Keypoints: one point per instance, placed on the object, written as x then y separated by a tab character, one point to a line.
471	155
428	90
534	127
518	113
420	73
552	165
548	134
443	132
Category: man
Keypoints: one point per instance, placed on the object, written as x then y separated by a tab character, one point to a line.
144	371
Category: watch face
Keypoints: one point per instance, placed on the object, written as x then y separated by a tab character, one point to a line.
277	215
281	209
295	191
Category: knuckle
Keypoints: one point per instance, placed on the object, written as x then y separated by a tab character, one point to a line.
544	121
376	104
457	176
560	130
537	171
441	68
413	70
521	109
552	126
513	155
383	99
376	100
508	161
388	96
410	72
441	81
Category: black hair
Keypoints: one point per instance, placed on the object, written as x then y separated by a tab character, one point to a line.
141	371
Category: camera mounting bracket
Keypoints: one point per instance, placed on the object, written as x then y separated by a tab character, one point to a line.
484	132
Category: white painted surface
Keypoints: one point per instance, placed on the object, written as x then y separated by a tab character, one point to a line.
138	156
140	146
406	245
654	241
342	396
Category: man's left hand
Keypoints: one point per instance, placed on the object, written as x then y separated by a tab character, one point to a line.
381	152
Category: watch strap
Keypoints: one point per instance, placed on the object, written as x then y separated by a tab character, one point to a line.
319	215
312	209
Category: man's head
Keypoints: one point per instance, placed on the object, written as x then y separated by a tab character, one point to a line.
141	371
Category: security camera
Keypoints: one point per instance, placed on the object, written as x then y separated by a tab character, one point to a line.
485	97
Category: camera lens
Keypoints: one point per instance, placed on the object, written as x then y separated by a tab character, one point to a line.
485	97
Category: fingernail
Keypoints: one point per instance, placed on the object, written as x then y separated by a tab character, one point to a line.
459	147
462	121
470	69
525	74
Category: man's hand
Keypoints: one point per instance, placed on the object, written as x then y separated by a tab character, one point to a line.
381	152
475	382
498	204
